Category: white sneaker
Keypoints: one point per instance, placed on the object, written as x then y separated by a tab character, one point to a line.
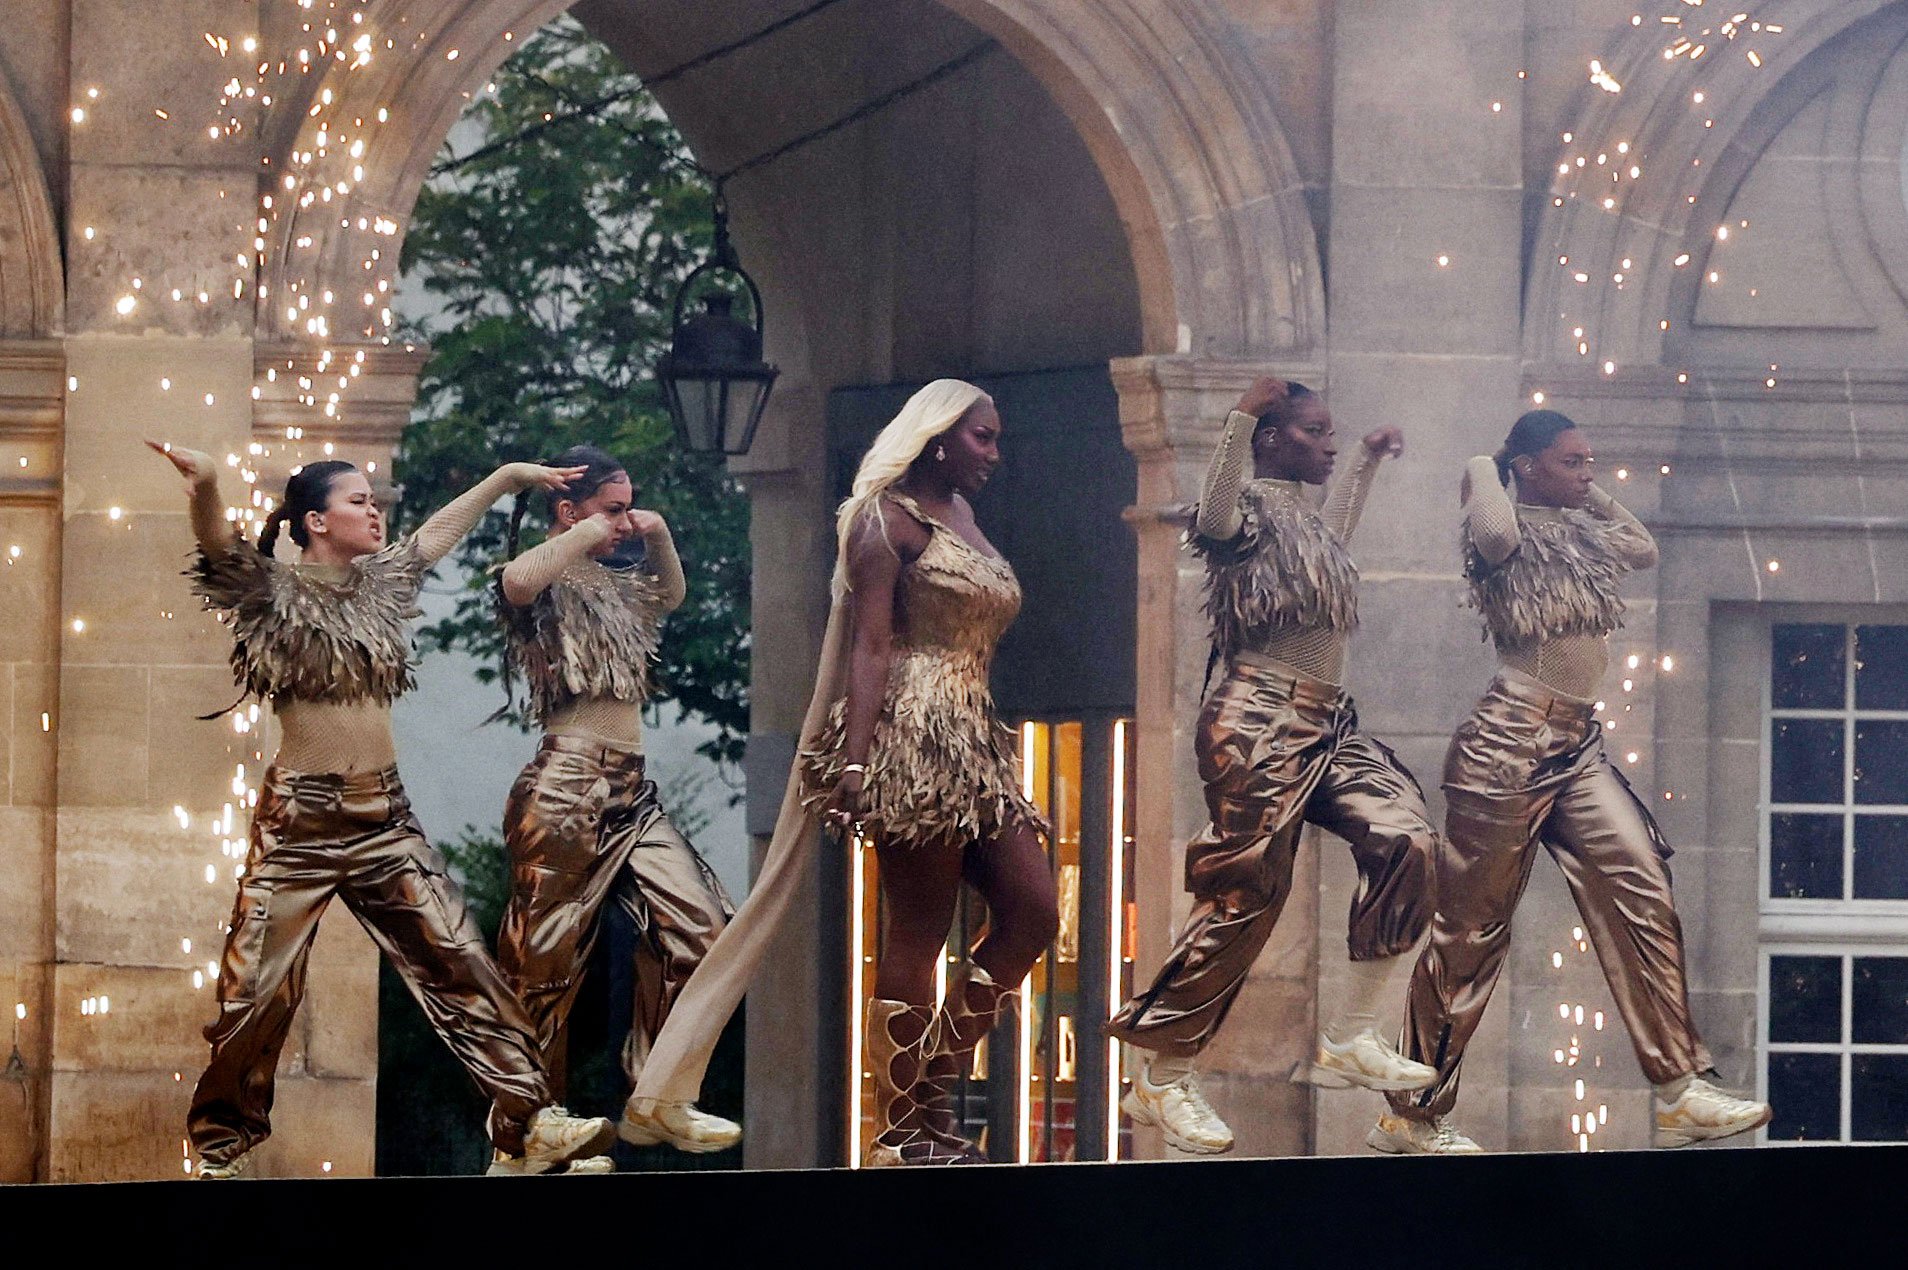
1705	1112
682	1125
1401	1135
502	1165
221	1170
1367	1061
554	1138
1181	1112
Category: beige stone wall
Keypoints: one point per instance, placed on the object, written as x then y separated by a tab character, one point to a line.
1159	183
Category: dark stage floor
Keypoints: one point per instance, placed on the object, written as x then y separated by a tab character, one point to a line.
1816	1208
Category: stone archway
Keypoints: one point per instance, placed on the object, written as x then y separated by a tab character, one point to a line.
1626	254
1208	198
31	287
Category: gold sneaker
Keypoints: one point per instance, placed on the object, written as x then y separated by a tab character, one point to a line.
1705	1112
1401	1135
1180	1111
680	1124
222	1170
1367	1061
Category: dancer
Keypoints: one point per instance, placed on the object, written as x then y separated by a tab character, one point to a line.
583	825
1528	765
1279	745
901	737
325	642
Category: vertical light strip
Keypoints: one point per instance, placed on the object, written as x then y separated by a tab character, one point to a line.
1116	934
857	988
1023	1025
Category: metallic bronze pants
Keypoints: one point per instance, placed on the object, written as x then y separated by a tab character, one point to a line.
1276	750
313	837
1529	766
583	827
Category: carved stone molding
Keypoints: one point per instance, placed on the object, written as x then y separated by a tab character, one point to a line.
31	273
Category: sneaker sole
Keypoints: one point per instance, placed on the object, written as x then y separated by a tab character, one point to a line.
642	1136
1391	1144
1670	1139
1142	1115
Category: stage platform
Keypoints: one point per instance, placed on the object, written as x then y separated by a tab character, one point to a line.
1810	1207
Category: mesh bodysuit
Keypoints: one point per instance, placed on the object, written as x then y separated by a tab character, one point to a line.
327	645
585	640
1546	578
1280	583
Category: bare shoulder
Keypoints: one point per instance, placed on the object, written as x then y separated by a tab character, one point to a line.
892	532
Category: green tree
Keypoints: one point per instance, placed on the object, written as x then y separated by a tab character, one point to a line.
542	259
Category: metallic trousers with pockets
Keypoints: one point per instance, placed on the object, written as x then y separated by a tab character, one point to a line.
1528	766
583	827
1278	749
315	836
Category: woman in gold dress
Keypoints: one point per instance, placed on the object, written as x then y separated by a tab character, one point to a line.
901	738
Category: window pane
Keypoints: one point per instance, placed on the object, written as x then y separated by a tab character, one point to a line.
1881	762
1881	857
1805	856
1805	999
1808	665
1805	763
1878	1098
1806	1092
1880	1000
1881	667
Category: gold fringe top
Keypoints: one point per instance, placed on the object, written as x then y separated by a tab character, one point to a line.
1286	571
591	634
298	635
1562	580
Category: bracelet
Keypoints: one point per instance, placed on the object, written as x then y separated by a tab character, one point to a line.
855	767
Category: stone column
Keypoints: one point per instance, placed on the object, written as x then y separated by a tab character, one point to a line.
1426	215
1171	412
151	819
32	395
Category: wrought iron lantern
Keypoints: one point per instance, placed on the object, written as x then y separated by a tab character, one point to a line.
713	375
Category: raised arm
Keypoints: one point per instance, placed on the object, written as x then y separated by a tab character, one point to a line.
1488	512
875	558
1219	518
664	563
1231	467
216	534
447	528
526	577
1346	503
1634	544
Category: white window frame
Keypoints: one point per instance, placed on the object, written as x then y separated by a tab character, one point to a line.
1848	809
1845	928
1844	1047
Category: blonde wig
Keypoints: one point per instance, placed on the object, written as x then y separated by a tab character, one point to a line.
929	412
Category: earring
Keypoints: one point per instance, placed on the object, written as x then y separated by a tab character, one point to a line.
940	454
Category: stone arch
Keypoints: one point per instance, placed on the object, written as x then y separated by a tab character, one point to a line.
31	273
1206	187
1627	254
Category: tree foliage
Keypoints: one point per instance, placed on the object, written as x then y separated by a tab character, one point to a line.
540	264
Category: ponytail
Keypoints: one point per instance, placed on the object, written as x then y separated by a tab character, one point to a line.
268	540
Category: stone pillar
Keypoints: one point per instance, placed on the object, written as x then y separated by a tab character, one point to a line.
1171	412
151	820
1426	204
794	1071
32	394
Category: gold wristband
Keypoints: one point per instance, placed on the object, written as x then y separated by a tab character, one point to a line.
854	767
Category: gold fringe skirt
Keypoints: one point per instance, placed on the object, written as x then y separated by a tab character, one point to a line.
943	768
